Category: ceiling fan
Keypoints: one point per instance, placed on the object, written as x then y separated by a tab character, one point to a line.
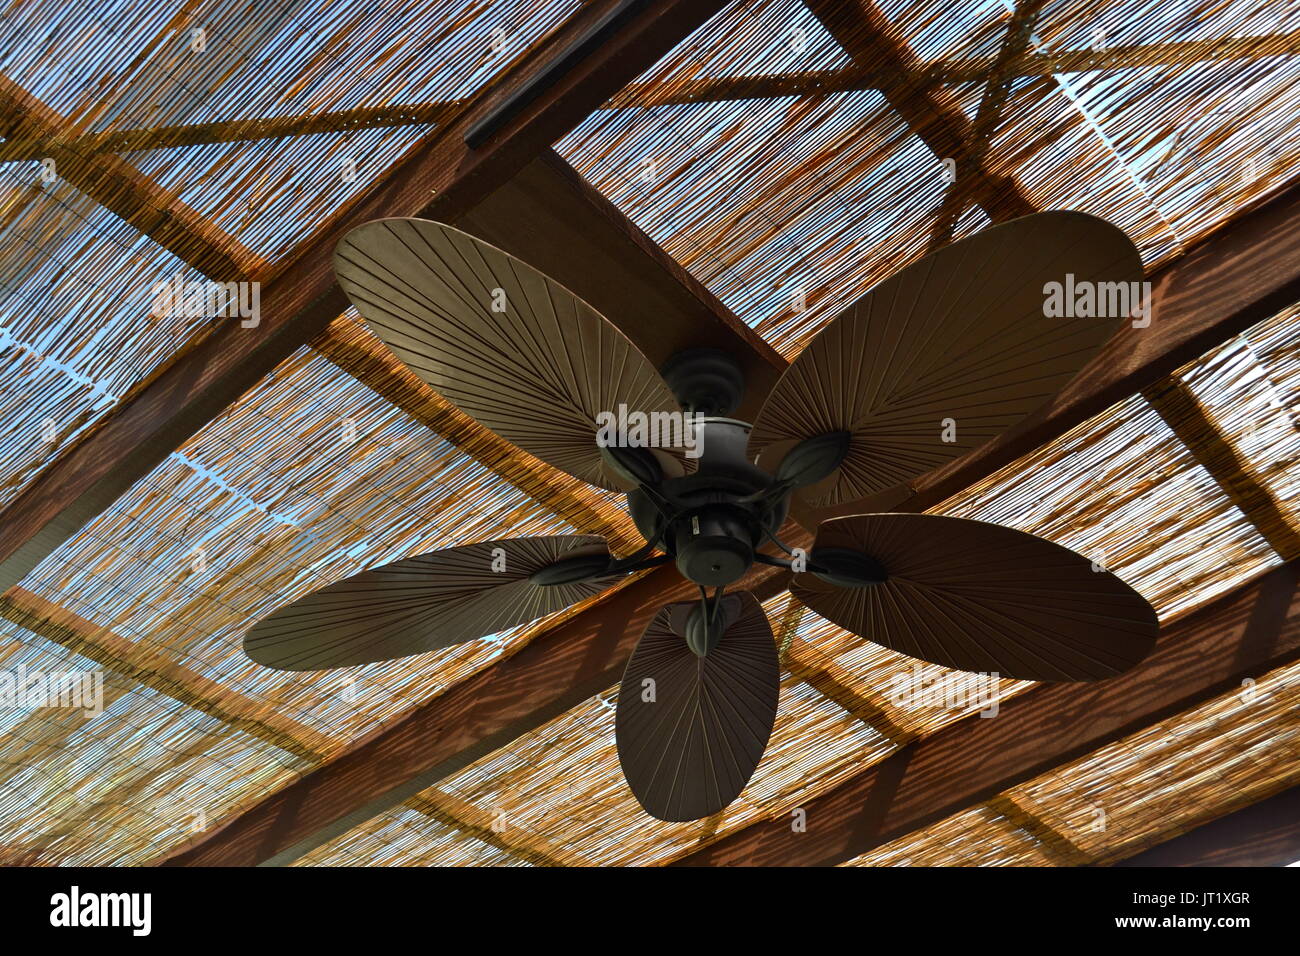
932	362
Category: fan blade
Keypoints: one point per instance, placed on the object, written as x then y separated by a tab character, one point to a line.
979	597
423	603
689	742
516	351
960	335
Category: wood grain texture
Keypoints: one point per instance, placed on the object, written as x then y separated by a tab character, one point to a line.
513	349
1244	634
690	739
562	666
441	178
979	597
423	603
957	337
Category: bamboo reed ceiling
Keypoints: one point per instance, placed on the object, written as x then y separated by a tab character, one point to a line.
1171	121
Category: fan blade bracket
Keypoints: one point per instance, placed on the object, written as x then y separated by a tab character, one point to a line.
847	567
813	459
636	466
572	570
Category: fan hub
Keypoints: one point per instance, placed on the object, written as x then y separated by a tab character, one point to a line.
714	545
712	521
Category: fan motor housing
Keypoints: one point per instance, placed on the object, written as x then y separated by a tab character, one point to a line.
714	522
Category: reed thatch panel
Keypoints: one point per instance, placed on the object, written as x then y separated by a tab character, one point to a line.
406	837
1248	390
1124	491
978	837
76	329
826	194
1232	751
1197	140
281	503
121	72
113	787
130	65
274	193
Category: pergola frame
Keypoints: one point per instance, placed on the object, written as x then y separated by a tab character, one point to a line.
513	190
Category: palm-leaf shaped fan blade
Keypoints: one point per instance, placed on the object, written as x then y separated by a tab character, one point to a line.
976	597
514	350
431	601
960	335
691	729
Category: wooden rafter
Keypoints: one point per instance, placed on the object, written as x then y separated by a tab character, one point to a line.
443	178
1244	634
953	70
932	112
159	671
945	70
1183	412
988	116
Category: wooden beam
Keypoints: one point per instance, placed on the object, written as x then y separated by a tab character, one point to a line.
933	113
952	70
1206	653
228	131
121	188
988	117
1266	833
442	179
556	671
1175	402
944	70
156	669
1245	272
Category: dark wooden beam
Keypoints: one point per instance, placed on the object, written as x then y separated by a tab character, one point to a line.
552	218
933	113
988	116
1181	409
1206	653
563	667
443	179
1266	833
